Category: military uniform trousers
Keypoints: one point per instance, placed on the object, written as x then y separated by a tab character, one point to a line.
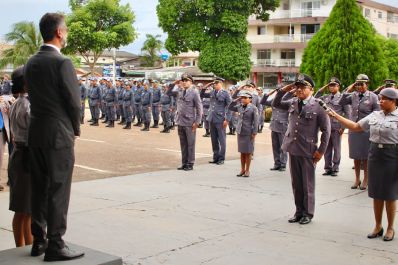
280	156
155	111
187	144
103	107
333	151
234	120
166	116
128	111
120	110
95	110
218	140
146	113
302	171
51	171
205	114
110	111
138	110
82	109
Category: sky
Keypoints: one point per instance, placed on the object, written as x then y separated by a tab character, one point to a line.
146	22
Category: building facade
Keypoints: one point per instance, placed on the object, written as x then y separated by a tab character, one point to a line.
278	44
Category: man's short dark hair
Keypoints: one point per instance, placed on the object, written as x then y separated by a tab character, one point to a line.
49	24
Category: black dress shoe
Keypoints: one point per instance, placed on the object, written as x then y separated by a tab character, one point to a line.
181	167
38	248
378	234
294	219
387	238
213	162
188	168
275	168
240	174
327	173
334	174
220	162
282	169
62	254
305	220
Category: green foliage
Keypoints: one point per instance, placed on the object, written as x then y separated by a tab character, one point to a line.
345	46
151	49
26	39
215	28
390	48
99	25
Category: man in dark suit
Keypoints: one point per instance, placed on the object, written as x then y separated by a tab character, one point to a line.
55	122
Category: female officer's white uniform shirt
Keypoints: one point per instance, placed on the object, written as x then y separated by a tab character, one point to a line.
383	128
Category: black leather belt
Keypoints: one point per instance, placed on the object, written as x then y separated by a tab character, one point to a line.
383	146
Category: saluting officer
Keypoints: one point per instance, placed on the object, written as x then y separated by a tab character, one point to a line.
363	102
166	104
188	115
333	151
218	118
278	126
306	118
95	101
156	94
110	99
146	102
83	96
388	83
128	102
206	106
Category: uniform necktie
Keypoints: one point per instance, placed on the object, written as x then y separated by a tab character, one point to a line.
300	106
183	93
332	97
360	96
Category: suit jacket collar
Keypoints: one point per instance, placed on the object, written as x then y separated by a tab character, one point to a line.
46	48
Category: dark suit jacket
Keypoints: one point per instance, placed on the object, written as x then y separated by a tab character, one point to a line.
55	100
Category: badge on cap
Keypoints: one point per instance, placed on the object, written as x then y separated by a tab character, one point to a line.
300	77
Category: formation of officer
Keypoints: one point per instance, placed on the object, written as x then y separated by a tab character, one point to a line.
94	101
83	97
306	118
110	101
156	95
333	150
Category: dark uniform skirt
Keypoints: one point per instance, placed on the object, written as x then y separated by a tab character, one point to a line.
245	144
383	173
359	144
19	178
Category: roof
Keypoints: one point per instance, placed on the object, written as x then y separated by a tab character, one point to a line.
378	5
124	54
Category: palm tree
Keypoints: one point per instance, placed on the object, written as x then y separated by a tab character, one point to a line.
26	40
151	49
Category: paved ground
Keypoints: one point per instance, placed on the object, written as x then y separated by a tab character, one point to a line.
209	216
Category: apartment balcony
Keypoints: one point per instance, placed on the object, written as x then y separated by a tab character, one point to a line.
276	65
284	38
282	17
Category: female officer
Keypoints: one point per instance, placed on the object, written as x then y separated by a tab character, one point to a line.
383	157
363	103
246	128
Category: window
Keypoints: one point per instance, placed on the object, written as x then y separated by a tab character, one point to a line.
285	6
264	54
288	54
380	15
261	30
392	36
390	17
367	12
310	28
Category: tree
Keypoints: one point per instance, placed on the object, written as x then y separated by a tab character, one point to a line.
99	25
390	48
215	28
345	46
26	40
151	49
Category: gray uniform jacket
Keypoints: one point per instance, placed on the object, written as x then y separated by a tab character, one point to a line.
280	117
119	93
95	96
189	107
360	108
146	98
156	94
83	92
110	97
333	103
219	102
128	98
301	137
166	101
247	119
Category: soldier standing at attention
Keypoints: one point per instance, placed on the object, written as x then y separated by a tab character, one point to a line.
146	102
137	104
363	102
188	116
206	106
260	111
95	101
278	125
128	102
166	103
305	120
119	108
83	96
156	93
110	103
333	151
102	101
218	118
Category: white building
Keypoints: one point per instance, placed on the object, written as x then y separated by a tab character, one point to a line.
278	44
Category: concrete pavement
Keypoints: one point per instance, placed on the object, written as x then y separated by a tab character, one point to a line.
209	216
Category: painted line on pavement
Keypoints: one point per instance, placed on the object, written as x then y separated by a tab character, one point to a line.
93	169
178	151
